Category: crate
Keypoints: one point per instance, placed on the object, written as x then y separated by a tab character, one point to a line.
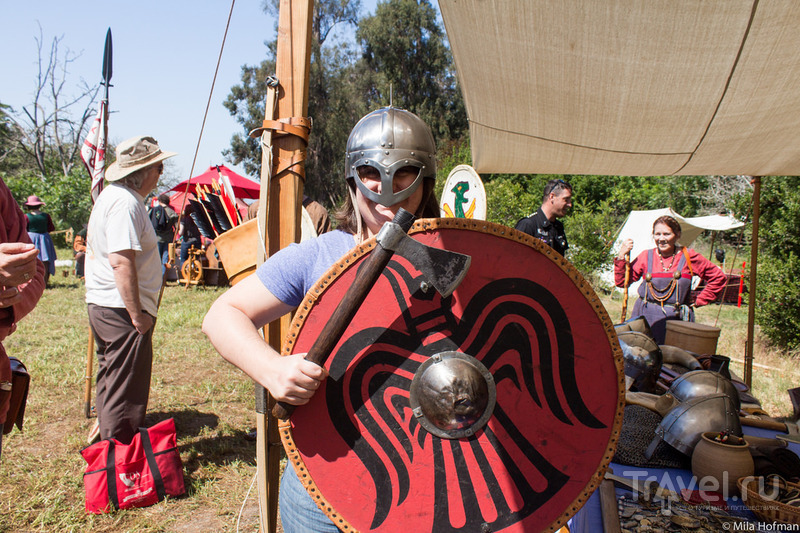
691	336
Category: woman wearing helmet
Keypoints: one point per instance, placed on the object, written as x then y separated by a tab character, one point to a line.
390	165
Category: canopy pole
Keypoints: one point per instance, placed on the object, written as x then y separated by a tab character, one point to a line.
711	251
282	186
751	305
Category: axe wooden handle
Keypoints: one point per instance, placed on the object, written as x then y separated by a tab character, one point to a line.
608	507
368	274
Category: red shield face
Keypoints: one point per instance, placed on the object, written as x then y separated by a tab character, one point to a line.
532	323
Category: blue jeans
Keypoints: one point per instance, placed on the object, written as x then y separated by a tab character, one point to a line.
299	513
163	251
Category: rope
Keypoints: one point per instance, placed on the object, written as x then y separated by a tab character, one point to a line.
199	139
266	146
241	510
208	105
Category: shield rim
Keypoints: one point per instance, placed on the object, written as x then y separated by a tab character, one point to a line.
426	225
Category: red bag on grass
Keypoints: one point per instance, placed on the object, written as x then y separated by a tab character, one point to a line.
122	476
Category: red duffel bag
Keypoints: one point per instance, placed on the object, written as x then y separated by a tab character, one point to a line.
122	476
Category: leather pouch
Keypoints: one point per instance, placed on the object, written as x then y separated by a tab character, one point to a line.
20	382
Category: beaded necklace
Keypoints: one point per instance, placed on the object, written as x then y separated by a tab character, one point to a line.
661	260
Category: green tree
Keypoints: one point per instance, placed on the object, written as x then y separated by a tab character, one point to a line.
405	53
333	102
67	197
8	135
778	297
778	301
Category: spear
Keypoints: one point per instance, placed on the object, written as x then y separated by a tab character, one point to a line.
107	65
107	71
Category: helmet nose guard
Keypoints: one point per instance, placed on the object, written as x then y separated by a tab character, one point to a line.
389	139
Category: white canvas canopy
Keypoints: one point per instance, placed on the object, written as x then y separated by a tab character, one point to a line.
629	87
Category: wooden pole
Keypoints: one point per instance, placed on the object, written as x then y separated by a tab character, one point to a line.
107	72
751	310
87	386
284	192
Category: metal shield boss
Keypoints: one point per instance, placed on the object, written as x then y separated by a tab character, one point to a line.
495	409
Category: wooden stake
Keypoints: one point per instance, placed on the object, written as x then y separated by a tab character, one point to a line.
281	200
87	388
751	310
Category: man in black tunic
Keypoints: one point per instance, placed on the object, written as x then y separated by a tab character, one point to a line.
544	224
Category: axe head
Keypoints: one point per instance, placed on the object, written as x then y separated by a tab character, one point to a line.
442	269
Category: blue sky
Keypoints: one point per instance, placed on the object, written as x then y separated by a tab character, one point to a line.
165	54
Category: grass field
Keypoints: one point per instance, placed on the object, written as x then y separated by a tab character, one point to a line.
41	483
41	487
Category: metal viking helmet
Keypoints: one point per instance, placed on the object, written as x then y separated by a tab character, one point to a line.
643	359
389	139
683	425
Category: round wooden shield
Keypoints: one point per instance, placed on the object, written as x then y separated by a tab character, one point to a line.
543	343
463	195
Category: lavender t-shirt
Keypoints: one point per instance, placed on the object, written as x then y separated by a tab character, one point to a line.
291	272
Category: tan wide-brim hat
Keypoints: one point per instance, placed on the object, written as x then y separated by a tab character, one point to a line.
135	154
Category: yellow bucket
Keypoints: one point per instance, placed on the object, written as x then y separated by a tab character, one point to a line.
238	250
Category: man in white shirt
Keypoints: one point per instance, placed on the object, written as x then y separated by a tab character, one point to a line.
123	279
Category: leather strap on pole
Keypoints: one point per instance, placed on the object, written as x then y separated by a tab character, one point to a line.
299	127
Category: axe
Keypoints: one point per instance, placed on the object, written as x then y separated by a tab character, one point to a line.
442	269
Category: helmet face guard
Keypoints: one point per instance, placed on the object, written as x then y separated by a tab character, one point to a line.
387	140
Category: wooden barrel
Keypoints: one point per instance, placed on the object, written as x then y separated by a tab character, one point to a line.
238	249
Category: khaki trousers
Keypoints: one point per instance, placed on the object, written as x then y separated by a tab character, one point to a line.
125	359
